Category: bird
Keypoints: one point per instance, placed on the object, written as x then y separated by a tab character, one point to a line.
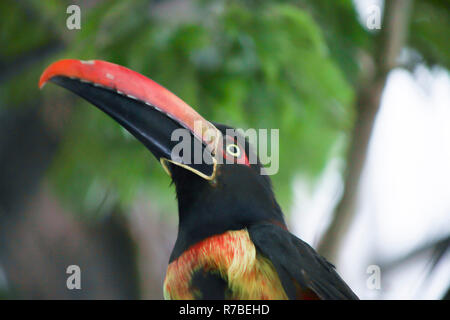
232	241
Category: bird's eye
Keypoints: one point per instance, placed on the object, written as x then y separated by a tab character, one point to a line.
233	150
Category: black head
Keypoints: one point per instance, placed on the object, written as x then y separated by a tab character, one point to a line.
238	197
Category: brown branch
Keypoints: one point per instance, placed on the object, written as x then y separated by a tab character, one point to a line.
439	246
389	42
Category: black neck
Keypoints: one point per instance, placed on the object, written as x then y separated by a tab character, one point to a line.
206	210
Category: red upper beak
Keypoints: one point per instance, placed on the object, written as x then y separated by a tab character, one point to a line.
136	102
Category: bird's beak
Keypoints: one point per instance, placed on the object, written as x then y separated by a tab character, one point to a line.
147	110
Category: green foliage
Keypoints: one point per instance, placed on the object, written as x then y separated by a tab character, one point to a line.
429	31
343	33
27	31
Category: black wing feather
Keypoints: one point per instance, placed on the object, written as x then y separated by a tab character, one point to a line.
295	260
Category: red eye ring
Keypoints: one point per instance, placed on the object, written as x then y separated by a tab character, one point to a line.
236	152
238	155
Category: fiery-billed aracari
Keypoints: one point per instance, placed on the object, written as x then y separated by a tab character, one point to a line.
232	241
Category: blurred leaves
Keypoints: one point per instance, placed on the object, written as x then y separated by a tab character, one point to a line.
429	31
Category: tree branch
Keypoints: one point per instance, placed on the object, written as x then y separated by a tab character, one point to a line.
389	42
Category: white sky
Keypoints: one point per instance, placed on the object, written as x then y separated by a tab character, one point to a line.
404	196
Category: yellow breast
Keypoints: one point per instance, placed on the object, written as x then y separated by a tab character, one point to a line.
232	255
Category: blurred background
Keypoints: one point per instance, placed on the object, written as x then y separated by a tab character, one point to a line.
360	91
